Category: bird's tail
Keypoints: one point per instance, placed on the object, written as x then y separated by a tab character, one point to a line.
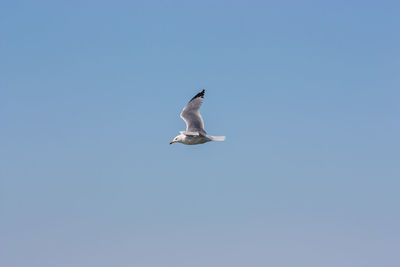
217	138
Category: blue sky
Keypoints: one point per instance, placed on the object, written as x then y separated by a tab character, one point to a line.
306	92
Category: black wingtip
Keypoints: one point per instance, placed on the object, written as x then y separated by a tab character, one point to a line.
201	94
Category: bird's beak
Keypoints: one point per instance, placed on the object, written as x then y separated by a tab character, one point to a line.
171	142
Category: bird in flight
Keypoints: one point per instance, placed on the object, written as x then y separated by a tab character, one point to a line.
195	133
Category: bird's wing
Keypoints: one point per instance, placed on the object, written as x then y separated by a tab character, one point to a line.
189	133
191	114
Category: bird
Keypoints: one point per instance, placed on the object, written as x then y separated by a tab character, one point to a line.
195	133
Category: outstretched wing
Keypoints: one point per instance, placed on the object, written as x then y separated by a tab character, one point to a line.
191	114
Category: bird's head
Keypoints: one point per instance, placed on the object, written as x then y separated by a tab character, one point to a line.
178	139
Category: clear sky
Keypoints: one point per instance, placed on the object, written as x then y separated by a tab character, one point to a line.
307	93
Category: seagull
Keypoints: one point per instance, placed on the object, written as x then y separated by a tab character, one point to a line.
195	133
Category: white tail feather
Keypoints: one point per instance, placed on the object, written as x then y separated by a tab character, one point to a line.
217	138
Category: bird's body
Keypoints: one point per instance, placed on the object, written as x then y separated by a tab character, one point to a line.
193	139
195	133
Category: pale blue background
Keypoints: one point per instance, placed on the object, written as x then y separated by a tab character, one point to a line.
307	93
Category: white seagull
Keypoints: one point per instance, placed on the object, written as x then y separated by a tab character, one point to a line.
195	133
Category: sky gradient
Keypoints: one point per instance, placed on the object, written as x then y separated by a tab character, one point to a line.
307	93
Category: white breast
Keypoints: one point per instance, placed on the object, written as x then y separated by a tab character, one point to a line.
195	140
